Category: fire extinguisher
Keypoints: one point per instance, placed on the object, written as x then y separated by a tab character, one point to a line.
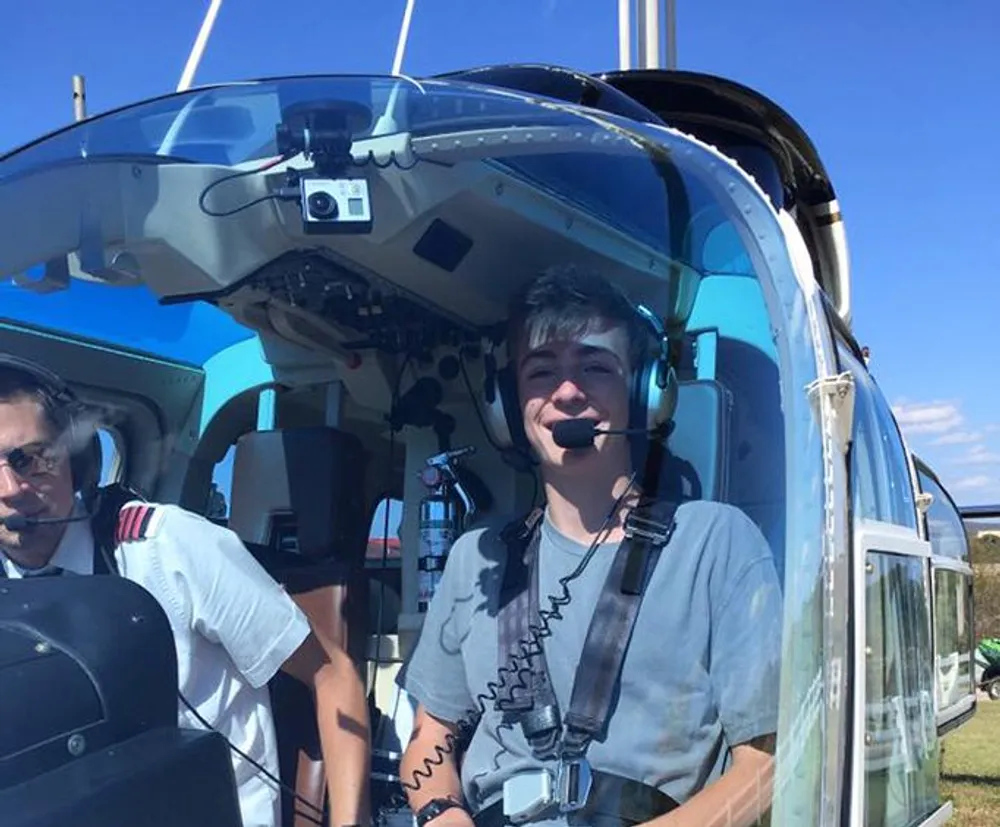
443	512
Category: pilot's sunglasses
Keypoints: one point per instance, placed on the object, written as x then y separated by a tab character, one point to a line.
32	460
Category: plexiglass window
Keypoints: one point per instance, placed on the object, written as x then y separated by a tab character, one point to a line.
902	506
112	458
945	528
880	480
901	752
953	620
953	636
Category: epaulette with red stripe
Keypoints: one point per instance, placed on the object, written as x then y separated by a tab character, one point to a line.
134	522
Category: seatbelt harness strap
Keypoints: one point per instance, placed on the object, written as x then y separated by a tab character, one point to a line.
611	627
531	700
530	697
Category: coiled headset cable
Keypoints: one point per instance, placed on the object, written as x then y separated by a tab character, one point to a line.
528	648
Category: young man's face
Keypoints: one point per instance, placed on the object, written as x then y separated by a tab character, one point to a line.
586	377
35	481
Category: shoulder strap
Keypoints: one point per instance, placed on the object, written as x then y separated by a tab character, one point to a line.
524	687
528	692
647	531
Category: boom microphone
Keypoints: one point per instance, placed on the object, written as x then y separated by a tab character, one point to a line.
18	522
580	433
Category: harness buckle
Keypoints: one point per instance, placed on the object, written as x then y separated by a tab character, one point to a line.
647	529
528	795
573	784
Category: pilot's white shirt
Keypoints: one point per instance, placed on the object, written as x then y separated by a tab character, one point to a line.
233	627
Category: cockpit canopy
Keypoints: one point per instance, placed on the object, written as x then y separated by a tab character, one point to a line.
471	189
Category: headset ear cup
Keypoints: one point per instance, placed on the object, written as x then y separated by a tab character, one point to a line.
654	395
503	413
639	397
654	399
495	415
661	402
514	419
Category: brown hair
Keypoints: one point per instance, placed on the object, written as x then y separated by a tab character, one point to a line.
567	301
58	405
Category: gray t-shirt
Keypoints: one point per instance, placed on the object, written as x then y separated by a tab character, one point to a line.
701	673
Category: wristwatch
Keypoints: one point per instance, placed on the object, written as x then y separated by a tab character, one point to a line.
434	808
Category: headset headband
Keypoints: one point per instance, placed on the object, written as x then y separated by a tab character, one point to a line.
42	375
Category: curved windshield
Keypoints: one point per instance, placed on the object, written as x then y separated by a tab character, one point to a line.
474	306
236	123
131	318
215	125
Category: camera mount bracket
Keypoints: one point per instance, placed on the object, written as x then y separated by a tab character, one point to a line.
324	132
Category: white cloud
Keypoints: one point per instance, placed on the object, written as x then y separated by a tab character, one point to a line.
959	438
976	483
974	489
978	455
937	430
927	417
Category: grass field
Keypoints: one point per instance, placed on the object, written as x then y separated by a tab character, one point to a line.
970	769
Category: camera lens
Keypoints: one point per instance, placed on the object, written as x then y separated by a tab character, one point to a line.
321	205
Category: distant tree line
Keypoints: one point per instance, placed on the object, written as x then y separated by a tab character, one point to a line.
986	583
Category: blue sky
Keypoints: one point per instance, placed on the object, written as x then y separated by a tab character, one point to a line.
901	100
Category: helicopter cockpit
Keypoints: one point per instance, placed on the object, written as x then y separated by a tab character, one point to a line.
295	290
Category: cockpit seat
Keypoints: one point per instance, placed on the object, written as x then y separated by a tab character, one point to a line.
298	505
715	455
696	461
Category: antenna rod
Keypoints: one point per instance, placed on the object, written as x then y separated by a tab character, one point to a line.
653	33
404	36
671	34
649	34
79	98
625	34
199	46
649	24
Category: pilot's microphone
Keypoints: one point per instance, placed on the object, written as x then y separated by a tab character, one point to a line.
580	433
18	522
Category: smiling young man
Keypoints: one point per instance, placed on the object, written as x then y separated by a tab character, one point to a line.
234	627
689	733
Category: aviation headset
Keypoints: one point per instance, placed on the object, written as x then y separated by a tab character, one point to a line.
652	390
85	449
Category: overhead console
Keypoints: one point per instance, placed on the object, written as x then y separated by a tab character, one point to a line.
350	215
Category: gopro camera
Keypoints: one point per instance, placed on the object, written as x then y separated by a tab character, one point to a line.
335	205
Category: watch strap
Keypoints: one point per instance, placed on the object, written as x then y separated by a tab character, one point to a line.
433	808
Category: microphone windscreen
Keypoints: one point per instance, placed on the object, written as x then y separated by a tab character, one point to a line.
574	433
16	522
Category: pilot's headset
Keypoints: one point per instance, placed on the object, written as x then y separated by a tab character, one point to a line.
653	389
85	445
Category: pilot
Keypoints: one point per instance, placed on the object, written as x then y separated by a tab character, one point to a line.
234	627
684	733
